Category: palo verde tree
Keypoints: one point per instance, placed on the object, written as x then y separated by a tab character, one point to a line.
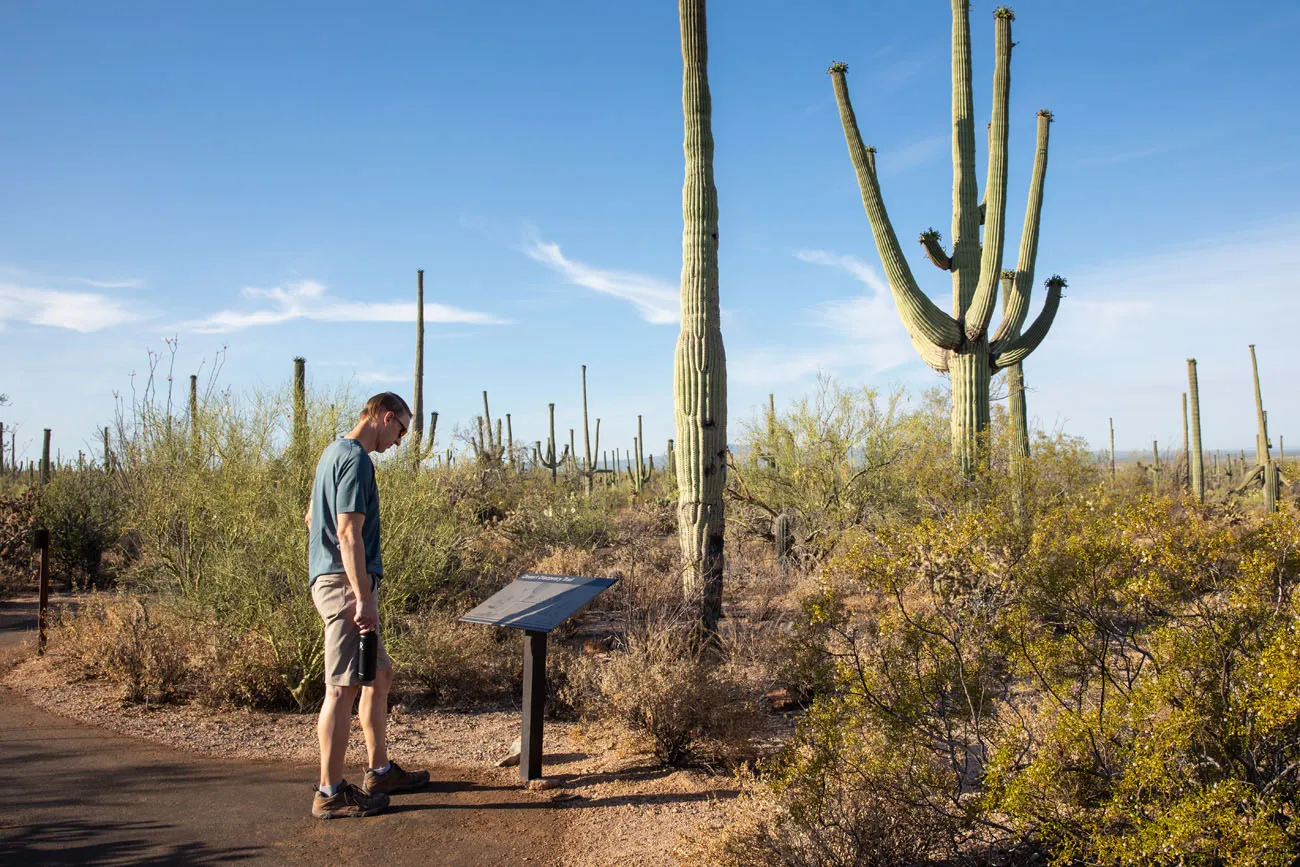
699	364
960	344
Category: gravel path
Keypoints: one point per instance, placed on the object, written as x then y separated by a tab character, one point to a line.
81	795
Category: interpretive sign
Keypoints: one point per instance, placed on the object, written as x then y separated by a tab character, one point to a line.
536	604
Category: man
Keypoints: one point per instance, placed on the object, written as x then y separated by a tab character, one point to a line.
346	570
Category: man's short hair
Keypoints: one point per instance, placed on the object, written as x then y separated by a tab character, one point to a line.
382	403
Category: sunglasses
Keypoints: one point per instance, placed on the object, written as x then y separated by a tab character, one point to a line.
402	432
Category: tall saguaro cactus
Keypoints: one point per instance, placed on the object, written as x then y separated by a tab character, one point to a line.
45	458
1262	444
417	411
699	364
960	344
1196	458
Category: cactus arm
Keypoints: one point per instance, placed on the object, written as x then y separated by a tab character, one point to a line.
1019	348
920	315
979	313
1014	313
936	357
932	243
965	194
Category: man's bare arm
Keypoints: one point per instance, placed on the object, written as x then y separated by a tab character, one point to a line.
353	552
306	519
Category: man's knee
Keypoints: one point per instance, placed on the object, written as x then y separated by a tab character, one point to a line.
344	695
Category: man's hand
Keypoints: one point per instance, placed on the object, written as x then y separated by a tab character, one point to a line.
367	615
306	519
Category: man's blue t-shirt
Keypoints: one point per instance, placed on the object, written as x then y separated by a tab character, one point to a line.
345	482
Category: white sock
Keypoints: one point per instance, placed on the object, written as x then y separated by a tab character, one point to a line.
388	766
331	791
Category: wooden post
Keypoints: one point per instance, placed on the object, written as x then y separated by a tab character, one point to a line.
530	740
43	544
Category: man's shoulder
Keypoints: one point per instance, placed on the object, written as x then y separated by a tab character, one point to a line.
343	452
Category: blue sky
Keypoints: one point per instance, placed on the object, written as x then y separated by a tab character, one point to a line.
269	176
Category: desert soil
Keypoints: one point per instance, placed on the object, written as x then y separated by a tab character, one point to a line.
108	783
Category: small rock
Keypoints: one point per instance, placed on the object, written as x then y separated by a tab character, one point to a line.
540	785
512	758
780	699
559	797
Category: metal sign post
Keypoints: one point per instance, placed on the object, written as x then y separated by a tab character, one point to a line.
536	604
42	544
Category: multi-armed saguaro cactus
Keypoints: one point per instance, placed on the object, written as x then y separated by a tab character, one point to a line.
1265	472
489	448
548	458
637	470
699	364
589	469
960	344
1196	458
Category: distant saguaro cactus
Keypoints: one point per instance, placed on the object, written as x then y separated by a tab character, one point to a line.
194	409
700	365
637	470
45	458
489	448
782	538
1262	442
1185	470
417	411
300	435
960	344
1197	458
549	459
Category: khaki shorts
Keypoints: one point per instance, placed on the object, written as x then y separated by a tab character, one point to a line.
336	604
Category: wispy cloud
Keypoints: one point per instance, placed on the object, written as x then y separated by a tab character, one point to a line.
1132	155
867	333
656	301
77	311
909	156
132	283
310	300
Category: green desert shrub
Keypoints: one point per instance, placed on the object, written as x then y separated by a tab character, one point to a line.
442	662
1114	685
683	700
84	512
17	523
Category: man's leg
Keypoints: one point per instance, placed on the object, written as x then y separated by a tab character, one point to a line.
374	717
332	728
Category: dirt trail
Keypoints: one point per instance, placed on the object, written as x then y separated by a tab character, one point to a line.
80	795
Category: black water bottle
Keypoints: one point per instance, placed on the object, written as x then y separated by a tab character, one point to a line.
369	657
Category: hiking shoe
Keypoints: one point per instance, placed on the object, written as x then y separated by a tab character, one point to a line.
348	802
396	780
